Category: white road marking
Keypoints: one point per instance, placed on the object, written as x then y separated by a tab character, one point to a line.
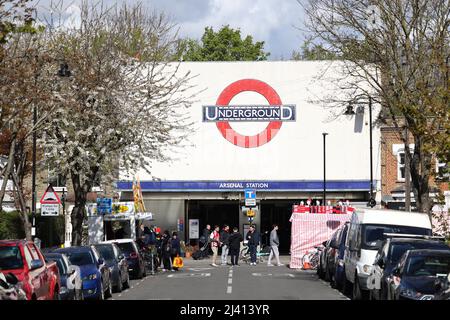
229	289
187	275
230	281
120	294
199	269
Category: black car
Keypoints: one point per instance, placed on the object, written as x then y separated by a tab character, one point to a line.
117	264
415	276
335	265
130	250
70	277
388	257
322	255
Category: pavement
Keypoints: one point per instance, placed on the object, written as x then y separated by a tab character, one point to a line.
199	280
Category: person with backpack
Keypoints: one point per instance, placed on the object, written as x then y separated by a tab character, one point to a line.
215	243
175	247
224	236
253	240
234	242
274	243
166	249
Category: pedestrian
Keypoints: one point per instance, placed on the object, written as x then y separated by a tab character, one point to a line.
253	240
166	249
174	247
204	239
234	241
215	242
274	243
224	237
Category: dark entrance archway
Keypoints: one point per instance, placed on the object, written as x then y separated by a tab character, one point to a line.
277	212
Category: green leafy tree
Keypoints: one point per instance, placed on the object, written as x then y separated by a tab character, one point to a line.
223	45
311	51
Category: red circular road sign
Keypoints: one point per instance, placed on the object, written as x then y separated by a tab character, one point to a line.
224	126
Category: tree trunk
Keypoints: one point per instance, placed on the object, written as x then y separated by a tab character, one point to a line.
7	171
23	208
79	210
420	173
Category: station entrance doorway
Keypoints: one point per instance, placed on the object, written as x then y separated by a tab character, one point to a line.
213	212
277	212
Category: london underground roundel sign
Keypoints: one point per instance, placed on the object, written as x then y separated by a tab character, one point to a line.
222	113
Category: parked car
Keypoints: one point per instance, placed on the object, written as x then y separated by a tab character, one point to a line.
330	255
415	276
442	288
70	277
134	257
365	236
336	265
388	257
94	272
117	264
40	279
322	255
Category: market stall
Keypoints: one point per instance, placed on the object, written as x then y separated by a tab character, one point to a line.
312	225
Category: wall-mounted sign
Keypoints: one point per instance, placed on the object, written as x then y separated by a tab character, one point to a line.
49	209
194	228
250	198
248	113
222	113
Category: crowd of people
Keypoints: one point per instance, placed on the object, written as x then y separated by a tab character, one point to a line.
230	243
166	247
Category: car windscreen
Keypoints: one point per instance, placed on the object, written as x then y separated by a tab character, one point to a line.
106	251
427	265
398	249
10	258
80	258
59	264
372	234
126	247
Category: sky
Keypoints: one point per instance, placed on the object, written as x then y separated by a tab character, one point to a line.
276	22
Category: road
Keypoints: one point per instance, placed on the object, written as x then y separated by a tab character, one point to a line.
198	280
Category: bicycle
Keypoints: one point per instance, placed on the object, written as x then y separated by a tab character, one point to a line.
151	260
312	258
244	254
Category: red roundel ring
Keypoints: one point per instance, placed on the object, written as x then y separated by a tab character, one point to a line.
224	126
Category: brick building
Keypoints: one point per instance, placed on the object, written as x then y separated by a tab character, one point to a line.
393	170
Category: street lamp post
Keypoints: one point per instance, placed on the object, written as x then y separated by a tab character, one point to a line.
372	203
324	134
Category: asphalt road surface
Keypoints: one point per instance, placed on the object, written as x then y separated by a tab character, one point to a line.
198	280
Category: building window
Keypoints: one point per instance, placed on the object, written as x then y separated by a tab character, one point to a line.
56	180
399	152
442	172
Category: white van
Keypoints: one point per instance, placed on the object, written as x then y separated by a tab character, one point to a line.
365	236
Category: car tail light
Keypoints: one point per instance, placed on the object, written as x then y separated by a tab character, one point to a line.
133	255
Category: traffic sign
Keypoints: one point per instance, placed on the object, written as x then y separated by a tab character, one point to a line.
50	196
49	209
250	197
104	205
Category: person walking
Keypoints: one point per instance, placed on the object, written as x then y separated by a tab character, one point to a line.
274	243
224	237
174	248
215	242
234	242
204	239
166	249
253	240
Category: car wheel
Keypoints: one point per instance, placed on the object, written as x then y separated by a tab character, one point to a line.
56	295
347	286
126	284
109	291
101	296
119	285
356	289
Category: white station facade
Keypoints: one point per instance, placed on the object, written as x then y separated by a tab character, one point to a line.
260	125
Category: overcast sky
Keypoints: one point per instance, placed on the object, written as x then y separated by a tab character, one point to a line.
275	22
